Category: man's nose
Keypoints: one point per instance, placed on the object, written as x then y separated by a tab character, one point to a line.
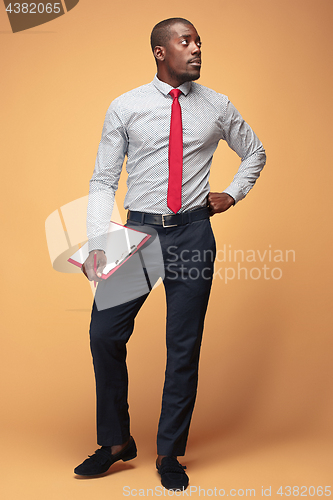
195	49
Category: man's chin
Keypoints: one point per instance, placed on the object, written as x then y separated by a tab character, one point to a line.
191	76
196	77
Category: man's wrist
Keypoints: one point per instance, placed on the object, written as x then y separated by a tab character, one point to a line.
97	250
231	198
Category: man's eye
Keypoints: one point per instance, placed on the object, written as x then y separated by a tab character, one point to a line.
184	42
199	44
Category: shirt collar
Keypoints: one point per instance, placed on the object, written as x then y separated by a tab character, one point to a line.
165	87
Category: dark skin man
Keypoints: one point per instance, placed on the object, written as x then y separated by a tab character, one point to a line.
168	170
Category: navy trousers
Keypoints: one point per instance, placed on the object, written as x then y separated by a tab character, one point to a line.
189	254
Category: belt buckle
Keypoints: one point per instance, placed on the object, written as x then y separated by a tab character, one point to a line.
163	221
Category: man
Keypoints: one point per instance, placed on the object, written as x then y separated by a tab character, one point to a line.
169	139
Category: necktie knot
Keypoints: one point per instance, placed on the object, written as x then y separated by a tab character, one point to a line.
175	93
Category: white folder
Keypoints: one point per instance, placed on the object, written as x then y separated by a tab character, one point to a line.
122	242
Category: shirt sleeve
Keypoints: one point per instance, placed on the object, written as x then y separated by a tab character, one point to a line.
241	139
104	182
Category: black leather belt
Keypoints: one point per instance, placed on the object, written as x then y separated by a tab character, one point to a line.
169	220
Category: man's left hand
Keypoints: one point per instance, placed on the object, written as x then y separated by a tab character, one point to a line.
219	202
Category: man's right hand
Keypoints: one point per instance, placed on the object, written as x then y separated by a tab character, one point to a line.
88	267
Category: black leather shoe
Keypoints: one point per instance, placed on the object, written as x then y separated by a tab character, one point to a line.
173	476
101	460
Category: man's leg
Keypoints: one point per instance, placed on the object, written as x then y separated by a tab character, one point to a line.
110	330
188	278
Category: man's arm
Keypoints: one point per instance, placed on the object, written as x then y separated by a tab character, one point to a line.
241	139
103	185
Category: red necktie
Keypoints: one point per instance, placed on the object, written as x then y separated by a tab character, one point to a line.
174	199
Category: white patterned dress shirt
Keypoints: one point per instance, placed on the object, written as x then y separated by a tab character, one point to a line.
137	125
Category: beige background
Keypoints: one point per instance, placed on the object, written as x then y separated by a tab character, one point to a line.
264	408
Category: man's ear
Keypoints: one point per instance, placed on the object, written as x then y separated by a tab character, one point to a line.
159	53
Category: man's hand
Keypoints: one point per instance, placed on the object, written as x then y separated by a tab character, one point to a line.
219	202
93	266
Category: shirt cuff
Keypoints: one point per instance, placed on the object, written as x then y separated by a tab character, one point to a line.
235	192
97	243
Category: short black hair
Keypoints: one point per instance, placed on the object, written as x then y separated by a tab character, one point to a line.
161	32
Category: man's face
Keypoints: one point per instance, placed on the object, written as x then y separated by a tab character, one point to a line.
183	53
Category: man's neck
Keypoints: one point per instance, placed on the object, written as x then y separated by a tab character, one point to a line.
173	82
